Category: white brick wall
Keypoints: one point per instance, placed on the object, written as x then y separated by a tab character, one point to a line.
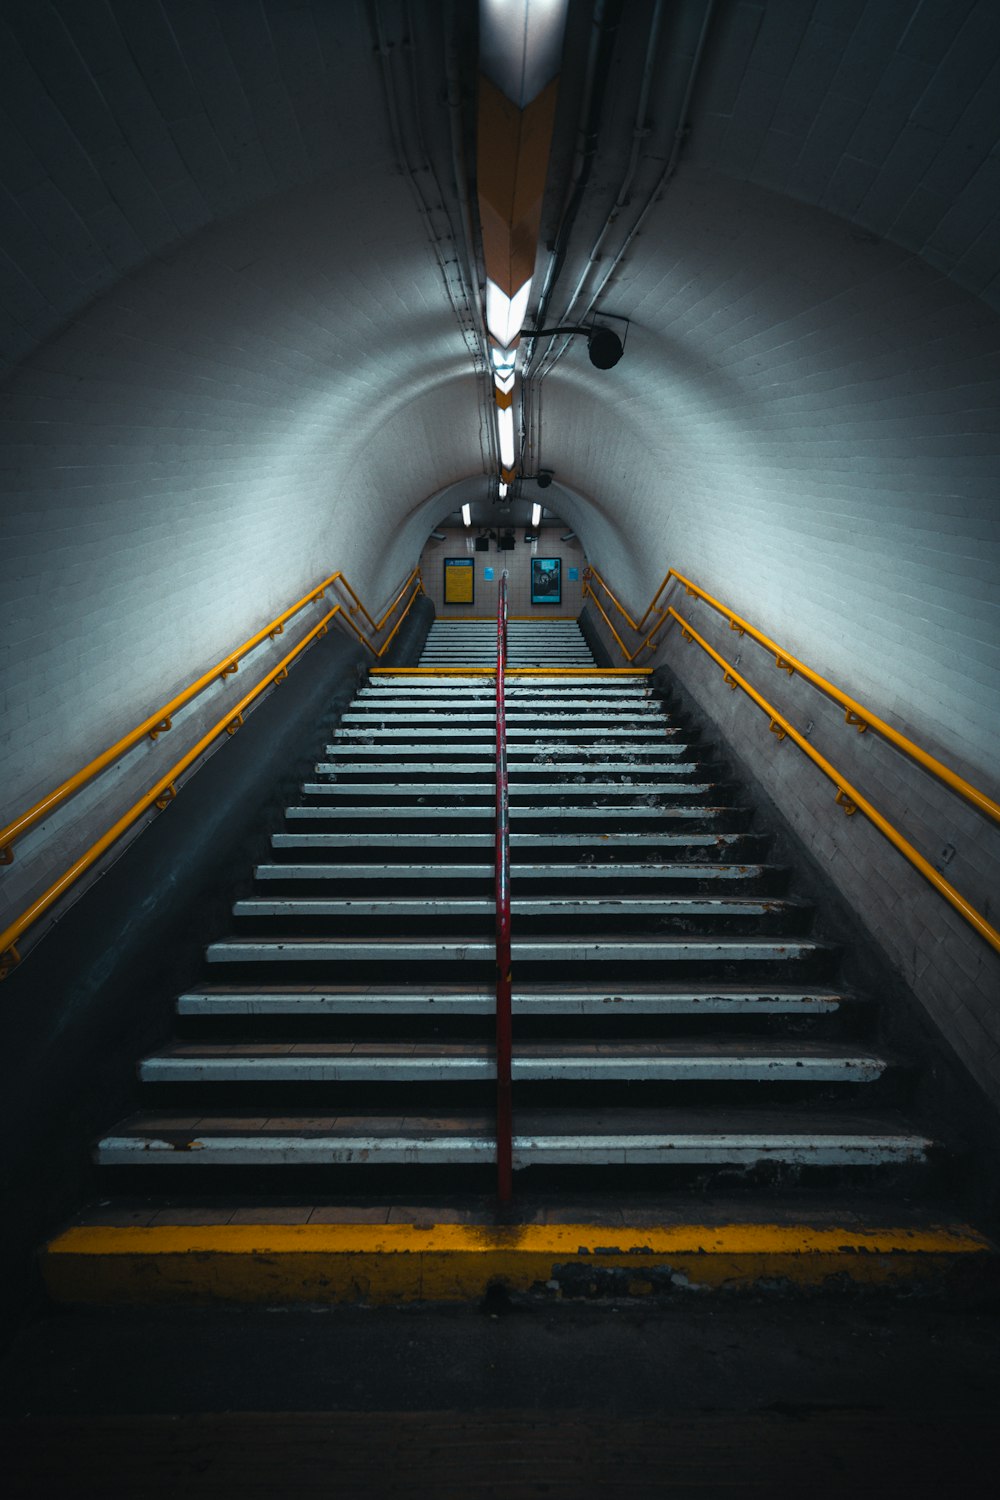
807	425
128	125
805	422
953	972
881	111
202	446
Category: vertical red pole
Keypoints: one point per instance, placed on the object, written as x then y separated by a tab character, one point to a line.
505	1174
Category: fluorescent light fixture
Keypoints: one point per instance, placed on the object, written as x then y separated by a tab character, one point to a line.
504	383
466	515
504	315
503	359
536	515
505	427
503	488
520	44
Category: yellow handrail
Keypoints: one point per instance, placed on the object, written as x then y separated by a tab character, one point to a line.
162	720
161	793
378	654
376	625
157	723
629	656
164	789
848	797
855	713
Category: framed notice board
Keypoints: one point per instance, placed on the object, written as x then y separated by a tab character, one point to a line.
546	580
459	580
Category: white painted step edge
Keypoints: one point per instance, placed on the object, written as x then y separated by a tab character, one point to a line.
529	1150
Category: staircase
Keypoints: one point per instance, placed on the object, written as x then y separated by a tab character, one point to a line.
530	643
678	1030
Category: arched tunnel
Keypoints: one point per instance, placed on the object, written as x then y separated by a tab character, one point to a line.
248	248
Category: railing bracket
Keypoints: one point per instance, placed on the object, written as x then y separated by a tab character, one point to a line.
9	960
235	724
7	854
732	623
852	718
278	630
778	729
730	681
166	796
161	728
784	666
844	801
229	669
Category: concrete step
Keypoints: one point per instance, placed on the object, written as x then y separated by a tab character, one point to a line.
520	755
606	813
684	1061
651	718
520	790
394	768
652	871
739	1139
610	909
308	1253
713	843
600	677
445	1000
782	951
557	690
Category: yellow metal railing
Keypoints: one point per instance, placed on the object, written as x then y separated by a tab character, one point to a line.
164	790
855	713
848	797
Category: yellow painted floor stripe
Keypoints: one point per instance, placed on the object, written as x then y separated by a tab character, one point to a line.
454	1262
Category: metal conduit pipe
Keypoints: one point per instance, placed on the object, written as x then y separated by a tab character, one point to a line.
604	26
664	178
453	76
458	162
464	317
639	132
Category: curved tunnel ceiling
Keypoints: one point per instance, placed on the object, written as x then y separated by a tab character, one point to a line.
236	360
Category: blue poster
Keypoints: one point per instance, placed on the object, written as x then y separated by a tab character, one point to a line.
574	575
546	580
488	574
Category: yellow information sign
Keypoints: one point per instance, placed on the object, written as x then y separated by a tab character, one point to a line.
459	580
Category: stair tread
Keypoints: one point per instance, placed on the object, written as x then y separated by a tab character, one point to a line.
588	839
606	870
556	947
621	1121
607	905
517	788
677	1211
434	810
681	1047
539	992
379	1000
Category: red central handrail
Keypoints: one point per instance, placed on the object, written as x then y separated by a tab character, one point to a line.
505	1151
